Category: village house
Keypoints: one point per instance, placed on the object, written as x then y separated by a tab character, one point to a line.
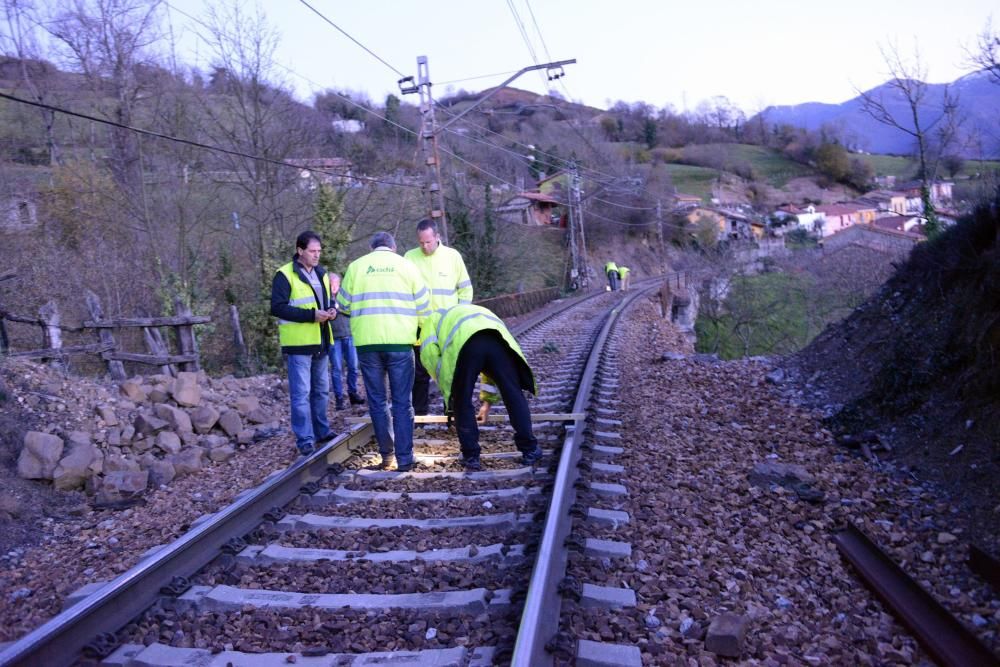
884	200
731	226
682	200
807	218
837	217
531	208
334	171
900	223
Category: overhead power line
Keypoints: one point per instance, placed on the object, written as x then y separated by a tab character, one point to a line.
189	142
348	36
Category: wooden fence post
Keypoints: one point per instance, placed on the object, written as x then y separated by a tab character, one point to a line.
49	313
116	368
157	347
185	337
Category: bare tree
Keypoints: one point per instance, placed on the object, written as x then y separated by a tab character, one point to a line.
985	56
110	42
932	136
21	17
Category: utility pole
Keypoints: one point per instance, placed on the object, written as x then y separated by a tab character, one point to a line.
577	239
429	129
429	148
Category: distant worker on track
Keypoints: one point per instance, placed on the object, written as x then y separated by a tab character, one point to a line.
462	342
611	270
623	275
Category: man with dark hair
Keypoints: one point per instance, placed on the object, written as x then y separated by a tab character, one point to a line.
386	299
447	279
300	299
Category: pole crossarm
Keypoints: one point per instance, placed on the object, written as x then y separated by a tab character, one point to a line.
532	68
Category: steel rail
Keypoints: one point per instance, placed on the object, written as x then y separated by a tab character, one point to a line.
62	639
940	633
540	618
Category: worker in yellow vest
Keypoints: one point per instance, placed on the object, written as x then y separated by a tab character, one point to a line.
611	270
300	299
457	345
386	299
623	275
447	279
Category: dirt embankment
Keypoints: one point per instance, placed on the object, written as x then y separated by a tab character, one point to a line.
917	368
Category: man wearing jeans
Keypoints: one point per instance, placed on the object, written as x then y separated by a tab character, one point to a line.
386	299
342	352
300	299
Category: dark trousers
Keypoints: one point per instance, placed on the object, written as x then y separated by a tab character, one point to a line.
613	280
486	352
421	385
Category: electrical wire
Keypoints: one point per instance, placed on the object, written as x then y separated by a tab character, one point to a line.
346	34
189	142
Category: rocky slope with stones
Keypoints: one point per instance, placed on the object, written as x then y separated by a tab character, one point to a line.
118	468
734	495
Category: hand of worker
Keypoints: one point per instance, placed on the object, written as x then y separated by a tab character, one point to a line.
323	315
484	412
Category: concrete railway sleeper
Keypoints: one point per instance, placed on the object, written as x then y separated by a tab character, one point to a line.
334	558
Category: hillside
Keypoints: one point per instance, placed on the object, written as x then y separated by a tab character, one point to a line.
917	367
978	100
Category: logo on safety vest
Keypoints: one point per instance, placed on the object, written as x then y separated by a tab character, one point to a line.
380	269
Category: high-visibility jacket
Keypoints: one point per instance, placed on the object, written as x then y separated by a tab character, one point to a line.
444	274
609	267
623	271
293	302
446	332
386	298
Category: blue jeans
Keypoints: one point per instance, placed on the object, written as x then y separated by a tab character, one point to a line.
398	366
309	391
343	348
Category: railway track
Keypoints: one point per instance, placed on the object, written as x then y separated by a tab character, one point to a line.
335	558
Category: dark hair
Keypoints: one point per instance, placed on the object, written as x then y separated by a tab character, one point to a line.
427	223
305	237
382	239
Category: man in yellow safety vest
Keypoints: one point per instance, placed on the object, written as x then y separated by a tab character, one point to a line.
457	345
386	299
448	281
300	299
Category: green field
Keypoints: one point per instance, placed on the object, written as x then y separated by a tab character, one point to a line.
692	180
905	168
769	165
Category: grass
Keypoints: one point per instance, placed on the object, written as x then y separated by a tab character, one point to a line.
692	180
905	168
768	164
764	314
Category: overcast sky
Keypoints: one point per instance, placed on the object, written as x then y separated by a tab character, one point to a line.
756	53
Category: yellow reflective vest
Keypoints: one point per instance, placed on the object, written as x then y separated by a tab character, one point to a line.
609	267
446	332
444	274
387	300
301	336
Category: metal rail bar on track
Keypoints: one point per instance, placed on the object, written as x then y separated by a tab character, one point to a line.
61	640
540	618
944	637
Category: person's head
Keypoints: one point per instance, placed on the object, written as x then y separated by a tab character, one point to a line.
427	236
334	282
382	240
308	247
